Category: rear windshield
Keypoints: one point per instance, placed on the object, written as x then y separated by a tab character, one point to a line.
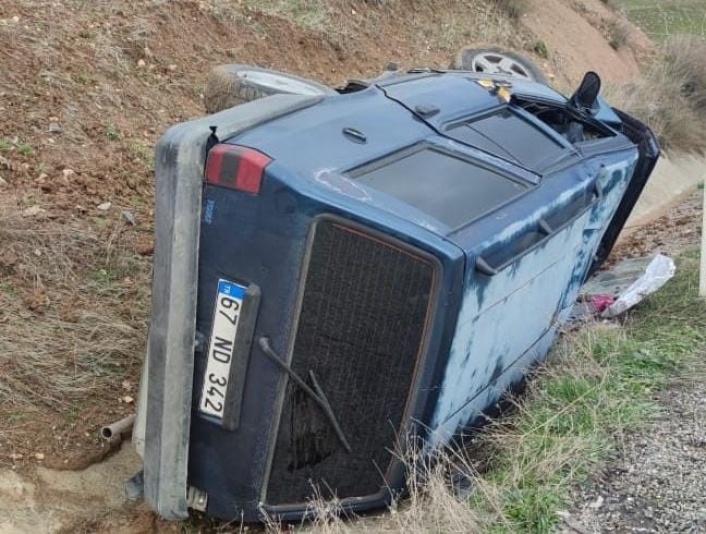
506	135
453	190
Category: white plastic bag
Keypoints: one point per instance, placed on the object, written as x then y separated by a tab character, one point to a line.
660	270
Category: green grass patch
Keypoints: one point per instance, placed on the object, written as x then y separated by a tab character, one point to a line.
25	149
598	384
5	146
662	18
112	132
142	152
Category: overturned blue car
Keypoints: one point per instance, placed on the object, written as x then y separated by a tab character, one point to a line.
336	271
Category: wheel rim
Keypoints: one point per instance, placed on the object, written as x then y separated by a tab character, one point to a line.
283	84
497	63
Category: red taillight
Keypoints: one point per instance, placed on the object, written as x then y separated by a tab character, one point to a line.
236	167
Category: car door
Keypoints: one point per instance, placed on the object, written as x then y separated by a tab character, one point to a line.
525	261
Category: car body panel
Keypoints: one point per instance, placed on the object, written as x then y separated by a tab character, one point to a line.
503	317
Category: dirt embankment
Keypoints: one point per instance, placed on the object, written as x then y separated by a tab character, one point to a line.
586	35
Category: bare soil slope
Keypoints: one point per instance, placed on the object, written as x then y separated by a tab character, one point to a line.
578	37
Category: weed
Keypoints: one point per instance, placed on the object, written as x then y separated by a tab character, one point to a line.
112	132
540	48
670	95
513	9
618	34
15	418
84	78
25	149
142	152
103	276
7	287
5	145
72	415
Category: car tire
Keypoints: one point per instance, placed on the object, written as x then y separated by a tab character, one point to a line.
230	85
496	60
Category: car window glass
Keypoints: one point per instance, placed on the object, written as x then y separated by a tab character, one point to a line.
453	190
524	141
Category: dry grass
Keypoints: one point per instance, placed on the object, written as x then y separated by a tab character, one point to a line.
73	312
435	503
670	95
513	9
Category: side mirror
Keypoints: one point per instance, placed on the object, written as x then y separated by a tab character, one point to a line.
586	96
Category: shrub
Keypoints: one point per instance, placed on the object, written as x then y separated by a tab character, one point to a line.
514	9
670	95
618	34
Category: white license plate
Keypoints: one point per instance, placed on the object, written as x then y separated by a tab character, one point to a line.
229	304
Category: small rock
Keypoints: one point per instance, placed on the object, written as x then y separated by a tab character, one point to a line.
597	503
105	206
141	63
172	67
39	456
16	456
33	211
54	127
67	173
127	399
127	385
129	216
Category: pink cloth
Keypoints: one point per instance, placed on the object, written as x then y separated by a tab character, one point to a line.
601	302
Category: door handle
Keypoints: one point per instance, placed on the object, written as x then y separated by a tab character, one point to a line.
490	264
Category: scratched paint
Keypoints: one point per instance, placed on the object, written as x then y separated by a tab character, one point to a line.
515	321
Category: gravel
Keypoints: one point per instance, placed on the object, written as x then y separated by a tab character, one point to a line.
659	482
